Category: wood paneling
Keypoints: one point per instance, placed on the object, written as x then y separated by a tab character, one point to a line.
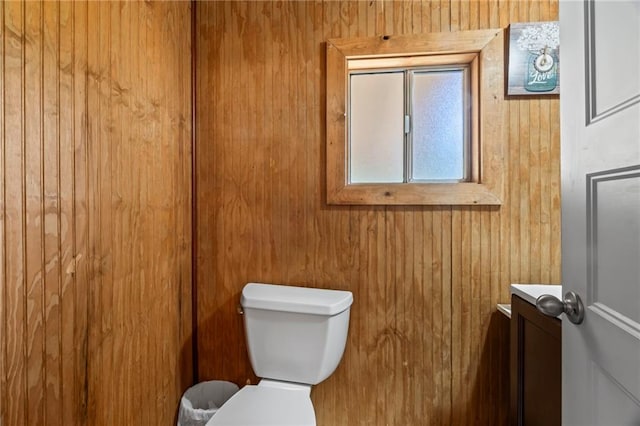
426	345
95	212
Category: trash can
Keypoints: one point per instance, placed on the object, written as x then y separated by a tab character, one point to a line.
200	402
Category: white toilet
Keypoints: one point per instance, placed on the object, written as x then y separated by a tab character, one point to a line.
295	338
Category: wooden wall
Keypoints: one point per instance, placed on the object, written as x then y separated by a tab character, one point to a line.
426	345
95	203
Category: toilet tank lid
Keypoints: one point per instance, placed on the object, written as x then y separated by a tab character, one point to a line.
302	300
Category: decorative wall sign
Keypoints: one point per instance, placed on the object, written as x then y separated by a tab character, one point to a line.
534	53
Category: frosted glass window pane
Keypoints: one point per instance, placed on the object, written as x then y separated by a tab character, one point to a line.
377	128
438	109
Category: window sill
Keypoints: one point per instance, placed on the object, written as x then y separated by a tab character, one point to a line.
414	194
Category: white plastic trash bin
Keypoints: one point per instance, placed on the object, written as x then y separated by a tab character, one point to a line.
200	402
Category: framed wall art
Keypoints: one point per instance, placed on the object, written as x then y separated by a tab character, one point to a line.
534	58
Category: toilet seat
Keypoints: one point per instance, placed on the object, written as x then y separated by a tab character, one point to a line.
266	405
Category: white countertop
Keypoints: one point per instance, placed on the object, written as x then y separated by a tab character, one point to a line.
505	308
529	293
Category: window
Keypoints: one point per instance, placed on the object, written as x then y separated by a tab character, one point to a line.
404	123
410	125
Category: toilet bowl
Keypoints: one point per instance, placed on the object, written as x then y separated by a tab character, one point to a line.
295	339
267	405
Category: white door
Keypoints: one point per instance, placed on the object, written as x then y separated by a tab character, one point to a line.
600	119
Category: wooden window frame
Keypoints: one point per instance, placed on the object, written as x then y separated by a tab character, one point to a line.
483	49
424	63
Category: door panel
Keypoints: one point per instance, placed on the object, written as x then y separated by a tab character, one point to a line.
610	62
613	209
601	210
613	405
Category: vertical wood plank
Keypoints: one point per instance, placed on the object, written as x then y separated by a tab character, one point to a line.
82	247
387	290
509	172
235	150
65	216
494	14
399	23
445	15
504	9
426	16
416	17
475	306
186	149
447	312
553	10
439	233
51	212
545	195
436	22
94	367
15	332
464	14
121	137
485	307
3	215
425	400
455	15
205	186
388	17
555	264
483	14
534	190
34	218
474	14
534	11
525	186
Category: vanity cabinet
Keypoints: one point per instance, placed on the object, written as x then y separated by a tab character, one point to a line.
535	366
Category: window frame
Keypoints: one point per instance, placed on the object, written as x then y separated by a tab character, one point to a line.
483	51
467	64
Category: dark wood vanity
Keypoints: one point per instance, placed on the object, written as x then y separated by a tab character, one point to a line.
535	366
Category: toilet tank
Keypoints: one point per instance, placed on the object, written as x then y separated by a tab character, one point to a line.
295	334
